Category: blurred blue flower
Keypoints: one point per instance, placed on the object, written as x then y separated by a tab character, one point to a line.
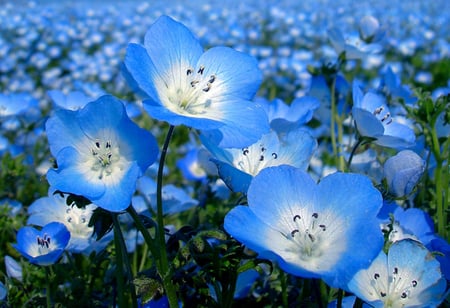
54	208
373	119
100	153
205	90
351	45
402	172
244	282
174	199
15	103
284	117
312	230
13	268
3	292
45	246
370	30
408	276
72	101
391	84
237	167
190	165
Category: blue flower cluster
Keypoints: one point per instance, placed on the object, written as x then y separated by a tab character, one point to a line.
328	164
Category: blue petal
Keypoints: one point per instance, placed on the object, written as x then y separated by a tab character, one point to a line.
239	72
274	198
139	71
356	200
71	175
367	124
170	44
63	130
236	180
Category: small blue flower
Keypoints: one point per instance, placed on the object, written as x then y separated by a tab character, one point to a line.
205	90
327	230
403	171
54	208
174	199
237	167
3	292
42	247
284	117
408	276
13	268
100	153
15	103
373	119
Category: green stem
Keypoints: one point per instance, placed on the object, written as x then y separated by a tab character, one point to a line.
121	261
145	233
355	147
284	291
160	233
48	294
441	195
336	141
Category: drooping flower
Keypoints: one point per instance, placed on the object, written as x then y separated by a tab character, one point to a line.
205	90
327	230
100	153
373	119
403	171
54	208
42	247
408	276
237	167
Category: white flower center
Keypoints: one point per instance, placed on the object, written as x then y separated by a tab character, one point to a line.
383	115
44	245
253	159
77	220
105	158
318	240
394	290
191	94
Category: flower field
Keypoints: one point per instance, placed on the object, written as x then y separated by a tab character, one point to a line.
224	154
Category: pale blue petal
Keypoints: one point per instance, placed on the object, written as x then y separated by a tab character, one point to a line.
237	73
275	199
367	124
170	44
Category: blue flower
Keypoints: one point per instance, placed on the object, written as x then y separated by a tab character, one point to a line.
100	153
373	119
237	167
72	101
13	268
54	208
408	276
403	171
3	292
327	230
205	90
15	103
174	199
284	117
42	247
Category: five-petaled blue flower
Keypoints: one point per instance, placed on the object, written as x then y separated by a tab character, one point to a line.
205	90
100	153
408	276
42	247
327	230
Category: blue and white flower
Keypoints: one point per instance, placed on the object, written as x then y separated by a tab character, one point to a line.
42	247
408	276
100	153
327	230
205	90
